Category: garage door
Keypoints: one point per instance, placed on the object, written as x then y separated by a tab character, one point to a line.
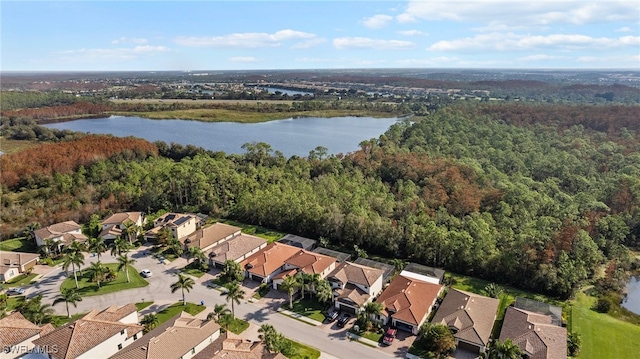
404	326
347	309
468	347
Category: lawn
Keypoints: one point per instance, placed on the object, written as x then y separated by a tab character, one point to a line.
22	279
302	351
177	308
193	269
12	303
88	288
375	336
141	305
602	335
310	308
60	320
258	231
20	244
8	145
262	291
238	326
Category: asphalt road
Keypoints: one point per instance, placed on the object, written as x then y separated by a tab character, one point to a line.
332	342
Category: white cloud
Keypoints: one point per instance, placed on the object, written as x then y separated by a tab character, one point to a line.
412	33
511	41
624	29
377	21
539	57
521	12
367	43
245	59
245	40
309	43
129	40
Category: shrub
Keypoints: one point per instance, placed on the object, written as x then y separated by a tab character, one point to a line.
603	305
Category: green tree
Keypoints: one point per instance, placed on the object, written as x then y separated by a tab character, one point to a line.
232	271
503	350
175	246
96	245
219	310
35	311
492	290
149	321
119	246
72	259
371	310
68	295
290	284
198	255
183	283
97	272
323	291
437	340
131	229
269	337
303	281
234	294
163	236
123	263
574	342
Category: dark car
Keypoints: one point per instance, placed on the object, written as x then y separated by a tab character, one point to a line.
332	315
344	319
389	335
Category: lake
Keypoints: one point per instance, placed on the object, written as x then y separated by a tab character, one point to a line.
291	136
632	300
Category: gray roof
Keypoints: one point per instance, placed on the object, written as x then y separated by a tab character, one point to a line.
340	256
425	270
387	268
297	241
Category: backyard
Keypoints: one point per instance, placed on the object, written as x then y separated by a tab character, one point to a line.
20	244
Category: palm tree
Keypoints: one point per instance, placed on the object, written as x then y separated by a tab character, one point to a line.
68	295
50	247
34	311
492	290
235	295
119	246
131	229
302	278
124	262
371	310
232	271
313	280
504	350
175	246
97	270
226	320
183	283
149	322
269	336
97	245
163	236
219	310
72	259
290	284
323	291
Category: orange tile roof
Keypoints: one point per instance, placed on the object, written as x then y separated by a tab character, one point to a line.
310	262
269	259
15	328
409	300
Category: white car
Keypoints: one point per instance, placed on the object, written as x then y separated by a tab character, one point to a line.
15	291
146	273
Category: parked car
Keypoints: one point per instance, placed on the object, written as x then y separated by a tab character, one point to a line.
146	273
332	315
344	319
15	291
389	335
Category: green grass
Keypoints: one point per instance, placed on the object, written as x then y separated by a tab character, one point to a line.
12	303
302	351
22	279
309	308
376	337
262	291
12	146
602	335
258	231
193	269
177	308
238	326
88	288
60	320
20	244
141	305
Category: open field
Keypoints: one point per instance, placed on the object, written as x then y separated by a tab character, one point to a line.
196	102
12	146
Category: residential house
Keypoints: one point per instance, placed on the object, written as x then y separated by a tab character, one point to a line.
354	285
230	346
181	337
236	249
63	233
13	264
538	333
408	301
388	269
307	262
17	335
297	241
470	317
115	225
99	334
210	236
180	225
433	275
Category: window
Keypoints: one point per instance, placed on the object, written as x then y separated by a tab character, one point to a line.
119	346
122	332
135	337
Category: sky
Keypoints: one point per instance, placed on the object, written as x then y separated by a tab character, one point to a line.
263	35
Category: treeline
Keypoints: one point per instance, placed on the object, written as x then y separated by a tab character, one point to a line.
14	100
479	189
59	111
37	167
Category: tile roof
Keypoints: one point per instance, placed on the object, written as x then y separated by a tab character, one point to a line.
56	229
409	300
269	259
15	328
235	248
13	259
205	237
114	231
230	346
171	342
356	273
470	314
122	217
310	262
352	295
535	334
82	335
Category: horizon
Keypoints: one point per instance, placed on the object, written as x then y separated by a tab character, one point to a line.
121	36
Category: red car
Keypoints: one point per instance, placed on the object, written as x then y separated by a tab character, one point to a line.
389	335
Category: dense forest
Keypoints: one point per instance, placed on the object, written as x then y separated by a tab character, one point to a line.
531	195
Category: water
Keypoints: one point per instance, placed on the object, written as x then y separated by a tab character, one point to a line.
285	91
290	136
632	300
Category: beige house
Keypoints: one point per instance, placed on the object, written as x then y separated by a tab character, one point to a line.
114	225
181	337
99	334
236	249
180	225
17	335
470	317
210	236
13	264
63	233
407	301
354	285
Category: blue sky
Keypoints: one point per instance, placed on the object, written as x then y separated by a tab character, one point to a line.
240	35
